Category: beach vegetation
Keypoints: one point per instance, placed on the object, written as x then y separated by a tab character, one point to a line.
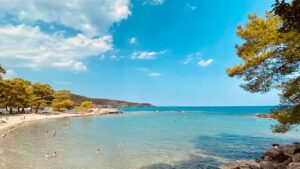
270	57
42	96
21	96
84	106
62	101
2	71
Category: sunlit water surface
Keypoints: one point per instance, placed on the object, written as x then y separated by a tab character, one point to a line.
152	138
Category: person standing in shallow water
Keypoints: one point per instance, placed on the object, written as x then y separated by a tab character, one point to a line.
46	135
98	151
54	132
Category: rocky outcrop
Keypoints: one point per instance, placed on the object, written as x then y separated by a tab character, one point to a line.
279	157
264	115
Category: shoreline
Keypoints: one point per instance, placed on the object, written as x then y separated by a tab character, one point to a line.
10	122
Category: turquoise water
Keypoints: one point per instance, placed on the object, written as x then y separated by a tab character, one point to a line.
152	138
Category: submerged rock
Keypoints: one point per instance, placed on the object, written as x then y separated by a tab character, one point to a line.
242	164
279	157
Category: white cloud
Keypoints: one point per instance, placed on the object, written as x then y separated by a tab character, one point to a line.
28	46
154	74
205	63
154	2
191	7
149	72
188	59
146	55
191	57
91	17
10	74
132	40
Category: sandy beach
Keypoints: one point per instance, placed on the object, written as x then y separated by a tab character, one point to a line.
12	121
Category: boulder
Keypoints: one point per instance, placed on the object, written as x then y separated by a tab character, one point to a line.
276	155
291	149
296	158
294	166
270	165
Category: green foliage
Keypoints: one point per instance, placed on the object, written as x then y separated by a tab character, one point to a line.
86	104
271	59
42	95
62	101
20	94
2	71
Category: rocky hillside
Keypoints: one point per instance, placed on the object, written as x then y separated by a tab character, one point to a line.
107	102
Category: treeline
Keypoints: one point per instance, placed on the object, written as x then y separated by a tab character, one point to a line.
22	96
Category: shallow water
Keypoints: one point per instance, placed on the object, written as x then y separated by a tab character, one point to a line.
153	138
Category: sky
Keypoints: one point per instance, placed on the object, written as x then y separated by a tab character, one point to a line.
163	52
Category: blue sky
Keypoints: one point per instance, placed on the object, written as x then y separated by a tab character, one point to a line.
165	52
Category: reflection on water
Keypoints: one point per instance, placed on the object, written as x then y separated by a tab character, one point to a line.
152	139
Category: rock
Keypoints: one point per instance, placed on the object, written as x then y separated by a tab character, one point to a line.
291	149
294	166
296	158
279	157
270	165
242	164
276	155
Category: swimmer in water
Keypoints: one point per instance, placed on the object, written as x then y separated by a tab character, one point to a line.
47	156
120	145
54	155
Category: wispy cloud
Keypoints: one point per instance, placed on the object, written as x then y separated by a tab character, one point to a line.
205	63
190	57
133	40
149	72
191	7
154	74
154	2
146	55
63	83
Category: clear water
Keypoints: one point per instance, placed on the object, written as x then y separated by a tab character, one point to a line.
153	138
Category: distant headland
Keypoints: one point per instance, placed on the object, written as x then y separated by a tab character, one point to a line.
108	103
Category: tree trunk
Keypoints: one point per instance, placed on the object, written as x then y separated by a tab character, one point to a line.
37	108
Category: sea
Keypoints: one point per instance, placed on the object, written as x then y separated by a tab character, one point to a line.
145	138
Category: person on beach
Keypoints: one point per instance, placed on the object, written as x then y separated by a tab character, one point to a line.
98	151
46	135
3	135
47	156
